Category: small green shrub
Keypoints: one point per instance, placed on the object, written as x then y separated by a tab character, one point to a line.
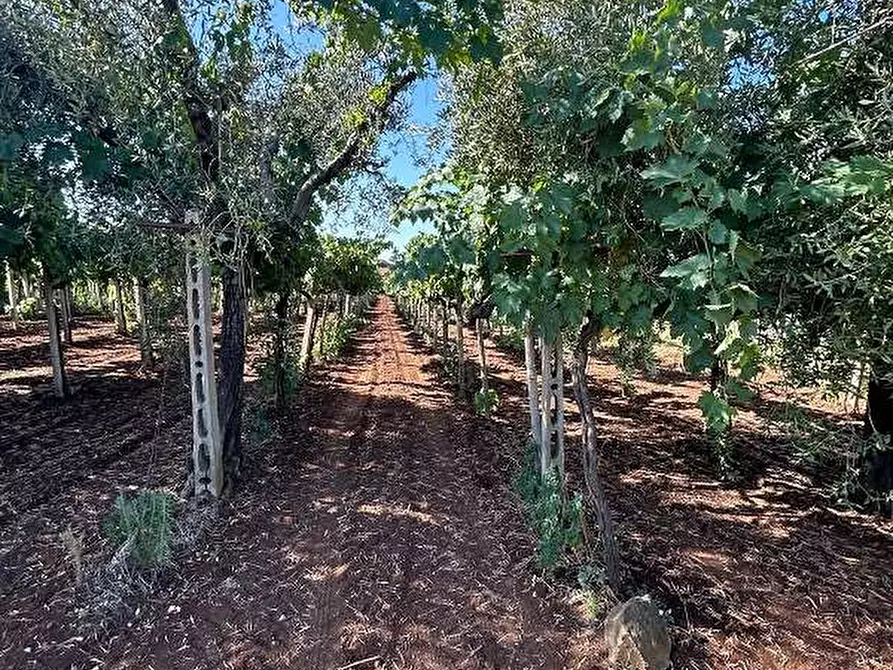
336	336
265	367
31	309
146	522
486	402
556	520
815	442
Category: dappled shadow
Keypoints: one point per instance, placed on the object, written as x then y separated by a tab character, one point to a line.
755	568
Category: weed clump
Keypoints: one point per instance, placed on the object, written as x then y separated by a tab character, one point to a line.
556	519
144	524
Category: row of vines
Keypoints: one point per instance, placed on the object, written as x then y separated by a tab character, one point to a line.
719	173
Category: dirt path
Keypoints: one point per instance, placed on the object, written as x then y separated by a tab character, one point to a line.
375	528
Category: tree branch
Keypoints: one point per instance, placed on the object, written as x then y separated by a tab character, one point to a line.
301	205
880	23
196	107
268	150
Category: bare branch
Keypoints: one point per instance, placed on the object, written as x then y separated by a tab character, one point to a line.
196	107
342	161
880	23
268	149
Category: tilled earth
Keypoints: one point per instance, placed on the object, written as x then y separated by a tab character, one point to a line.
376	527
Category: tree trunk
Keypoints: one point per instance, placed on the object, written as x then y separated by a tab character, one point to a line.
207	443
552	408
323	317
460	348
445	326
533	399
482	357
719	373
120	318
65	303
280	348
876	462
102	289
60	380
347	305
140	289
594	485
232	373
308	337
11	295
27	286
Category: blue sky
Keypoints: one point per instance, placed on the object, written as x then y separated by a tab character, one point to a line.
406	151
408	158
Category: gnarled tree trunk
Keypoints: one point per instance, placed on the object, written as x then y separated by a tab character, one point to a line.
876	464
140	289
232	373
594	486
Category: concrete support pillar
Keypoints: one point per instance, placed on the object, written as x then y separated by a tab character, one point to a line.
207	446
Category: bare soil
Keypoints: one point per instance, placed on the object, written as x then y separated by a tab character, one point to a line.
376	526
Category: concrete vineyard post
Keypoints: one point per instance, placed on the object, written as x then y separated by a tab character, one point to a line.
207	446
482	356
65	304
545	408
27	287
60	381
11	294
532	383
120	318
307	338
445	326
552	408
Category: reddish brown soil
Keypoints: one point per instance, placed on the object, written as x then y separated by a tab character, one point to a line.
761	574
376	525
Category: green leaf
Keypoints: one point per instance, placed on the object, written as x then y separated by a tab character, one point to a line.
694	269
641	135
687	218
674	170
738	391
698	359
718	233
738	201
716	411
721	315
733	243
743	297
10	145
658	206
